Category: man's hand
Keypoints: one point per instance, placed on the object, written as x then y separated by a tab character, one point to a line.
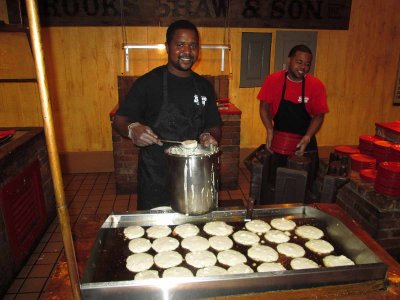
270	135
206	139
302	145
142	135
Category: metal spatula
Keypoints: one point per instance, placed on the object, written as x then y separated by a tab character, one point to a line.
249	209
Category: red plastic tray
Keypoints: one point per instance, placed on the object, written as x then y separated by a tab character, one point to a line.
285	142
368	175
4	133
346	150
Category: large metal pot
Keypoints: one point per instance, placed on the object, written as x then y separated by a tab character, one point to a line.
193	179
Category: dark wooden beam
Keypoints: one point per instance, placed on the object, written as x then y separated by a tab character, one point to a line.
302	14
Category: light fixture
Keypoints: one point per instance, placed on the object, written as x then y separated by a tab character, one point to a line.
127	47
144	46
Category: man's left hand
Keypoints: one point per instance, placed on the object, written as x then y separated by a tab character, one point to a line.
302	145
206	139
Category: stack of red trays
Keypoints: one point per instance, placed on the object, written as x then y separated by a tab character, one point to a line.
395	152
5	133
366	143
387	180
362	161
285	142
382	151
368	175
346	150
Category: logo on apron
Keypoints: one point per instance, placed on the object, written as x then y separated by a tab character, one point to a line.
305	99
203	100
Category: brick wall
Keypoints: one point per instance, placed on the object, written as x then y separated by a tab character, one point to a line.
378	214
125	164
126	157
230	148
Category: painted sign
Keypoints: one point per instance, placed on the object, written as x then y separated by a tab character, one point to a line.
305	14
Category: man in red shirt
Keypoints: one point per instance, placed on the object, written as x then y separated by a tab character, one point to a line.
293	101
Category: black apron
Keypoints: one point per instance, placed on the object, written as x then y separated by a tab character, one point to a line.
292	118
171	124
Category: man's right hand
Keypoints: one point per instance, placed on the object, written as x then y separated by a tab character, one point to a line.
270	134
266	119
142	135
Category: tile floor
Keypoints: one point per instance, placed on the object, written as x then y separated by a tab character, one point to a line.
88	194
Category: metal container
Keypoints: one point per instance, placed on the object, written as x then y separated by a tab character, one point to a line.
193	179
106	276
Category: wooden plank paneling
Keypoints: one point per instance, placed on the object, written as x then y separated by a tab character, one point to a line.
3	11
20	104
16	60
358	67
83	64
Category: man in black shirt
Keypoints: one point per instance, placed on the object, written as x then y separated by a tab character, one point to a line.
170	102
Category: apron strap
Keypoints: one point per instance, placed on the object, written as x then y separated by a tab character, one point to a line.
165	87
164	96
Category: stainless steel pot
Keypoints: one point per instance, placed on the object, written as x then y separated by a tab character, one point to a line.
193	179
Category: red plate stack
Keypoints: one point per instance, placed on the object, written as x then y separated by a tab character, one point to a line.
362	161
389	131
395	152
346	150
368	175
366	143
387	180
5	133
284	142
382	151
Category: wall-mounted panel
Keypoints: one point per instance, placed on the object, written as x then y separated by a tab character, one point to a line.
256	53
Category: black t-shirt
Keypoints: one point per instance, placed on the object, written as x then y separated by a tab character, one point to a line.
145	98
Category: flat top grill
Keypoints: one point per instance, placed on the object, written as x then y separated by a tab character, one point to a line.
106	272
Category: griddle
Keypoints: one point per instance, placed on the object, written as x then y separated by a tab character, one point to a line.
106	276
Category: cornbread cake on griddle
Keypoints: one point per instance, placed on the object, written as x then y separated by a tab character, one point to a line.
132	232
139	245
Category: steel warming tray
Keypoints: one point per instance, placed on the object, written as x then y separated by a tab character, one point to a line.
105	278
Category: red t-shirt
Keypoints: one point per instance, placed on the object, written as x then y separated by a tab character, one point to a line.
314	97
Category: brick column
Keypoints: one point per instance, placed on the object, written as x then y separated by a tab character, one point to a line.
378	214
230	148
125	164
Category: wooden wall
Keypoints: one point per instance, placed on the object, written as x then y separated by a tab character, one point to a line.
358	67
19	102
3	11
